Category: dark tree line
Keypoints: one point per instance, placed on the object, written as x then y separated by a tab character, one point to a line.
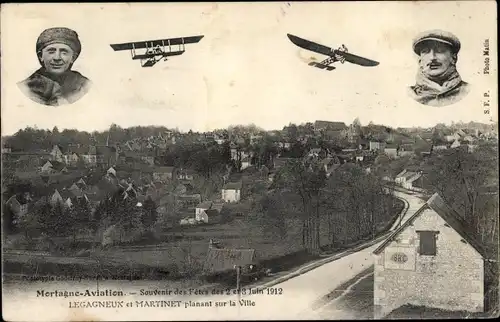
58	220
30	138
55	220
205	159
353	203
469	183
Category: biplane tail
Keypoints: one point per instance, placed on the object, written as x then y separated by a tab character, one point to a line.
149	63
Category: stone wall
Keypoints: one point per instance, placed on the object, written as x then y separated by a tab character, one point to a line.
450	280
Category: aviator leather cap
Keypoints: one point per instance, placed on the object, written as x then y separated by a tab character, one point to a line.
59	35
436	35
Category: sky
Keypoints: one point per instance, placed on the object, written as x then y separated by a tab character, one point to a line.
245	70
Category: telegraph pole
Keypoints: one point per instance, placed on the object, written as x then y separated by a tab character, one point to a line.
238	275
238	288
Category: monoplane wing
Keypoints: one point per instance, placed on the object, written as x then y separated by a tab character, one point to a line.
356	59
309	45
321	49
158	42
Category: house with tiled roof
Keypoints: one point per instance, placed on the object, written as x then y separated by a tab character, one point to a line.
46	167
53	167
62	197
204	206
391	150
406	178
231	191
130	191
433	260
19	204
56	153
89	155
163	174
406	149
245	162
209	216
377	146
101	190
185	174
455	144
72	156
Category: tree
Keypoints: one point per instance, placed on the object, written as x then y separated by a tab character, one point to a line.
225	153
461	179
150	214
356	123
292	132
30	224
59	223
271	216
357	204
8	220
79	216
305	181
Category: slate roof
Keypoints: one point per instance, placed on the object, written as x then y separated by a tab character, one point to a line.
205	205
78	150
218	206
56	165
407	175
212	212
413	177
392	146
76	193
232	186
66	194
449	215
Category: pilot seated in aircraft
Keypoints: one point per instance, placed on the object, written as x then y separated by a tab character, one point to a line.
438	81
55	83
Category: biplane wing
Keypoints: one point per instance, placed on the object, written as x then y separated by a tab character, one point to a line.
321	49
164	54
158	42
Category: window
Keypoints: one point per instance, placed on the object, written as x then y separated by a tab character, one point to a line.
427	242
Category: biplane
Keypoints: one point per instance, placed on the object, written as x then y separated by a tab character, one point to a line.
156	50
334	55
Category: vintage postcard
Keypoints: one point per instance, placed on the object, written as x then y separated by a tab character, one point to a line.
249	161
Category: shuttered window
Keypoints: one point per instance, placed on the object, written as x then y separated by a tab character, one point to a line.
427	242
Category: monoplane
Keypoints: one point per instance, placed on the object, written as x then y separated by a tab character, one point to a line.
155	50
334	55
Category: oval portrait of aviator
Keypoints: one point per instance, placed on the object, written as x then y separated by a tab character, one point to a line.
438	83
55	83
